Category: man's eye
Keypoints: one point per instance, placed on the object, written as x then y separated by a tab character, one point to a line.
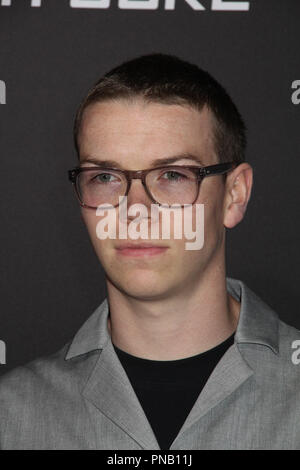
103	178
173	175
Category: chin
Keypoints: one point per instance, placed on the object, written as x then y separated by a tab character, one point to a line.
141	285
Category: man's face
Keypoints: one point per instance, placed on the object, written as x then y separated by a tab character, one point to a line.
134	135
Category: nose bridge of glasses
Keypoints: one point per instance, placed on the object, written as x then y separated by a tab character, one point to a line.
135	175
138	175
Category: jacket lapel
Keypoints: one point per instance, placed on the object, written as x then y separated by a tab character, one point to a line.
258	324
229	374
110	390
108	387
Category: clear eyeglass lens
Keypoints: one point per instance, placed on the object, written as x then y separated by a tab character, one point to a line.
173	185
97	187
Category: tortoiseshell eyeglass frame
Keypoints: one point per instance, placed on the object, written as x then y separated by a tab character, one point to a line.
200	172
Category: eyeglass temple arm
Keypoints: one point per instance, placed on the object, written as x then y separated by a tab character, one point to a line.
72	175
218	169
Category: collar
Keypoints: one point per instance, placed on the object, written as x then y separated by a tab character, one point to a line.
258	323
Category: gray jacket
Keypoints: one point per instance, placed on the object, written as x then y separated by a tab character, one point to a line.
81	398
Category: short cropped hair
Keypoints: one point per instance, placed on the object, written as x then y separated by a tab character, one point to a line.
168	79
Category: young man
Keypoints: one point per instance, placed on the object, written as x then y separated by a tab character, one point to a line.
178	356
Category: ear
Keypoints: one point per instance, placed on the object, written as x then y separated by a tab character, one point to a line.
238	191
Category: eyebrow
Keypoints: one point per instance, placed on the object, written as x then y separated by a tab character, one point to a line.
153	164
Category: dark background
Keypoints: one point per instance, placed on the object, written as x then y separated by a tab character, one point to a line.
51	280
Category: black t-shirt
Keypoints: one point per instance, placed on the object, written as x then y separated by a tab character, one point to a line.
167	390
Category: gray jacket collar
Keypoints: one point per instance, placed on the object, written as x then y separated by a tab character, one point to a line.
258	323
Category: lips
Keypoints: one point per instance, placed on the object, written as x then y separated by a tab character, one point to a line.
140	249
138	246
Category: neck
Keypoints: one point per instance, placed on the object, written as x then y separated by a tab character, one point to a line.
194	320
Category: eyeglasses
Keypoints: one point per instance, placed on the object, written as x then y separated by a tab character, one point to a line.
165	185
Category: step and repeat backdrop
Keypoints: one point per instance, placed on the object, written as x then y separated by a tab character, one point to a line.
51	52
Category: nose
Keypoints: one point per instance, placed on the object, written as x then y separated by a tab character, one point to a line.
137	194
